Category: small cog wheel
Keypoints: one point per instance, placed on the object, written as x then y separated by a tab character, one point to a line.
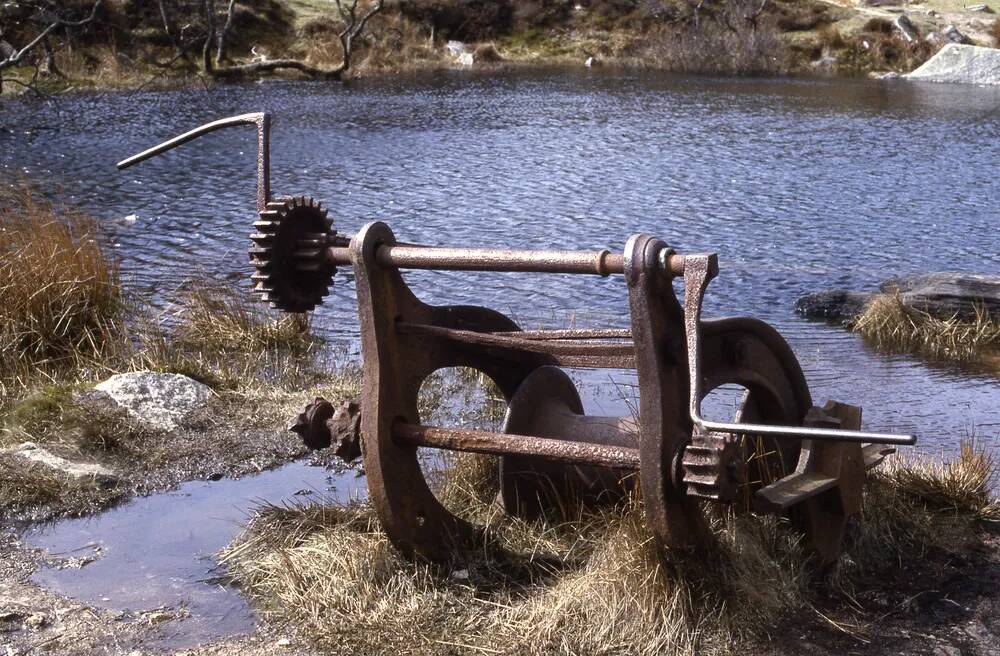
713	466
288	253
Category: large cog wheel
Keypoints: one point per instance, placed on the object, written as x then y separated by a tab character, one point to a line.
288	252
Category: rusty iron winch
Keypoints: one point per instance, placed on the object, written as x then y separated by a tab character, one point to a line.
780	453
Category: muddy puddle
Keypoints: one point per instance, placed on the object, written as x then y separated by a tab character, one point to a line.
153	558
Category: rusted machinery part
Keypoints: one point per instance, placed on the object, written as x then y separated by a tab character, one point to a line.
753	355
714	467
547	405
261	120
440	258
741	352
395	365
824	493
287	252
321	425
675	520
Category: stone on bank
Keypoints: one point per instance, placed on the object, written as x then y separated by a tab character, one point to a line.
962	64
155	400
941	294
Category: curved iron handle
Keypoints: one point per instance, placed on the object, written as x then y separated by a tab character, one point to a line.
699	270
260	119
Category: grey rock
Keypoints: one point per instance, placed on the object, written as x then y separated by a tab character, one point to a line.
36	621
952	34
906	28
961	64
983	9
466	59
947	294
824	63
947	650
33	452
942	294
455	48
838	305
158	401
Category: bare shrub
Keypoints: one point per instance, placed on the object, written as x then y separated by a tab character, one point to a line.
736	40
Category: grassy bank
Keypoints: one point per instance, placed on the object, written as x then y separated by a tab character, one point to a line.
67	322
130	45
891	325
592	585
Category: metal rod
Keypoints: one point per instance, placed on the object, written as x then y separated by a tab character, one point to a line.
576	453
698	272
602	263
804	433
263	122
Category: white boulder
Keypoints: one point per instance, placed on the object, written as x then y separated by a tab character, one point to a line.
158	401
961	63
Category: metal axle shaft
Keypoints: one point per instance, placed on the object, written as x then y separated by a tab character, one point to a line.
602	263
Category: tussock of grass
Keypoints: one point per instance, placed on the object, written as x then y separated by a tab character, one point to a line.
591	585
60	296
890	324
217	318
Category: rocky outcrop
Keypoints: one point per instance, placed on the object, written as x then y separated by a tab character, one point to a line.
838	305
946	294
961	64
942	294
155	400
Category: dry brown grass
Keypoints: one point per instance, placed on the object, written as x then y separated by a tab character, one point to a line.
591	585
890	324
213	317
995	32
61	299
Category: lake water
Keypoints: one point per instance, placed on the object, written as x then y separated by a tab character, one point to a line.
799	185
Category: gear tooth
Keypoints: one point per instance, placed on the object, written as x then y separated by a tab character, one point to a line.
298	225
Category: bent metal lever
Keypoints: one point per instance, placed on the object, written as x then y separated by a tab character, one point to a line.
699	269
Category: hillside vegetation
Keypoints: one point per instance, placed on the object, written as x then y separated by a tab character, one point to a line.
50	45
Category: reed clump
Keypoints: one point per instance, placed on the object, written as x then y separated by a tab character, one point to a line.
61	299
890	324
591	583
222	319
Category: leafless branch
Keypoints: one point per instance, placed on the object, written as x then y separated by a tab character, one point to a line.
57	22
220	54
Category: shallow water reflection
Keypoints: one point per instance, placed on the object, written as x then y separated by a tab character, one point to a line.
158	551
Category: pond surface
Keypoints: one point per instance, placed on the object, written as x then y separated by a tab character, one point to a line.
799	185
159	551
